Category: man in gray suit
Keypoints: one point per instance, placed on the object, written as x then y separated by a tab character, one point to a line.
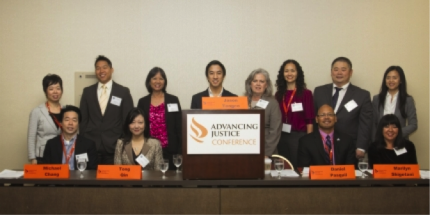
104	107
351	104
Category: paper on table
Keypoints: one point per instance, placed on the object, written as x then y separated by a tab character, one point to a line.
425	174
358	172
305	171
11	174
285	173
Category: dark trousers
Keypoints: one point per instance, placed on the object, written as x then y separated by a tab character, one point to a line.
288	146
104	158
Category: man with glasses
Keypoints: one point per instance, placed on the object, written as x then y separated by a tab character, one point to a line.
325	145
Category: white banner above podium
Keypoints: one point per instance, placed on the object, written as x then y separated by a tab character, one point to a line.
223	133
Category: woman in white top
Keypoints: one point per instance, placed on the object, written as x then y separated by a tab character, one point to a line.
44	123
394	99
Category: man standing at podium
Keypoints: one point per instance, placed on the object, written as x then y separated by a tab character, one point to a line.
104	107
215	74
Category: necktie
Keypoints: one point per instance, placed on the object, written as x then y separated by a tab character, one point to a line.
103	99
328	144
335	97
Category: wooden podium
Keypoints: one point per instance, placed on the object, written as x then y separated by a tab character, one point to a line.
232	165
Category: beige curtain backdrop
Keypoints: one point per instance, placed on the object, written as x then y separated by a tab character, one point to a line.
63	37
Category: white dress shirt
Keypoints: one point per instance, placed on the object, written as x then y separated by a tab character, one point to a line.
212	95
341	94
390	103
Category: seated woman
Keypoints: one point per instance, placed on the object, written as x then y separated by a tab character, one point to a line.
390	147
135	143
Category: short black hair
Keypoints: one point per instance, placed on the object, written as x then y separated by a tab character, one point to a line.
215	62
103	58
389	119
153	72
51	79
69	108
342	59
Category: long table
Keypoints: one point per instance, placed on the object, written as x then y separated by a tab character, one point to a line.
173	195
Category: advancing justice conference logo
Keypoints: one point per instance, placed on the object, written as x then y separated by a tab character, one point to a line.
199	130
224	133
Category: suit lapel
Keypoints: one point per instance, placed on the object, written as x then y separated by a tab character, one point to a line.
381	110
329	92
47	116
319	144
129	151
166	110
348	97
79	149
95	100
108	106
145	147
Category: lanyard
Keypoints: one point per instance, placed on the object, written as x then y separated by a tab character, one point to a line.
67	157
289	102
53	116
329	152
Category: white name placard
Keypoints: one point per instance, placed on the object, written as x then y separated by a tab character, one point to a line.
223	134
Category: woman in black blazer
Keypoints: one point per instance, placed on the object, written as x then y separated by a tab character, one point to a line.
163	116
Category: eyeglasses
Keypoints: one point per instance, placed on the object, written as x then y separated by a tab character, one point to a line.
326	114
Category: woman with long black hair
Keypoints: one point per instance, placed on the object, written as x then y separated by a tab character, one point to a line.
394	99
297	108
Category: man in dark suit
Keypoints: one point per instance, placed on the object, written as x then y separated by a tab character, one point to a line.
215	74
326	145
350	103
64	148
104	107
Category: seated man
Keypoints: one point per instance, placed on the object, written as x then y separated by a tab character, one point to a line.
63	148
325	146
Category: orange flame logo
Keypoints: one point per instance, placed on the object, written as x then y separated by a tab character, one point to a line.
199	131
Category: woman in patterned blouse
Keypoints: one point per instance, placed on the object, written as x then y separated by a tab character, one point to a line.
162	114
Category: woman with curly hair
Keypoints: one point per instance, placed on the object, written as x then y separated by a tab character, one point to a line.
297	108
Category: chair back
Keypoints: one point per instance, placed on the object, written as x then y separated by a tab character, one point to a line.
287	163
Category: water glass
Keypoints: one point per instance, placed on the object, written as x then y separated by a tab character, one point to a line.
177	160
279	166
164	166
362	166
82	165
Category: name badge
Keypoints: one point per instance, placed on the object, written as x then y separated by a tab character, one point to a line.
286	127
400	151
262	103
83	156
351	105
142	160
116	101
173	107
296	107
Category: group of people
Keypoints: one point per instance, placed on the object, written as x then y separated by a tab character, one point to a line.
334	125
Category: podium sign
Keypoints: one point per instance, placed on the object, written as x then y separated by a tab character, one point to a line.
223	133
223	144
